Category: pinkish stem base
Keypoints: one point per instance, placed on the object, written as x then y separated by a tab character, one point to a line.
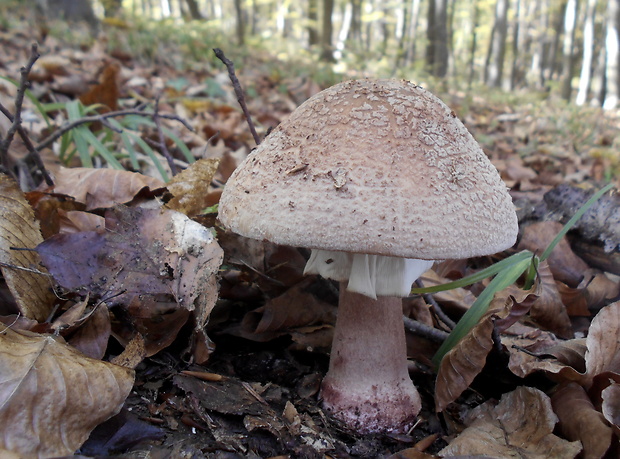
368	386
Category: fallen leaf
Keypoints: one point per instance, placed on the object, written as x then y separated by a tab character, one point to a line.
611	405
580	421
51	396
102	188
602	342
190	187
466	360
520	425
547	310
562	361
463	363
18	229
155	266
292	310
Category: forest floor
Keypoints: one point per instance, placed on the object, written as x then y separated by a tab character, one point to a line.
249	387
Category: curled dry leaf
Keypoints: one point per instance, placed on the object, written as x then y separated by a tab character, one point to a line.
463	363
564	264
102	188
520	425
562	361
18	228
190	188
611	405
466	360
602	342
579	420
548	311
91	338
292	310
51	396
155	266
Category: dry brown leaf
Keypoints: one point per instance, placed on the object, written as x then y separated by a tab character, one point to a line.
76	221
18	228
602	342
102	188
463	363
562	361
611	405
51	396
156	265
106	92
548	311
190	188
579	420
564	264
92	337
520	425
292	310
466	360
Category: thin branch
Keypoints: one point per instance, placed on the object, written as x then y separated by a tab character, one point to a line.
162	141
94	118
238	91
420	329
16	121
19	99
436	309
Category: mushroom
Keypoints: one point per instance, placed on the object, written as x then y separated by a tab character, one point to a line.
379	178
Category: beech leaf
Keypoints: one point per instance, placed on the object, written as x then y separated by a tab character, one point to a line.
52	396
520	425
602	342
102	188
579	420
157	265
18	228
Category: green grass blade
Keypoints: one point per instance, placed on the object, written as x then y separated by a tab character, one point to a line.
102	150
503	279
81	145
180	144
149	151
477	277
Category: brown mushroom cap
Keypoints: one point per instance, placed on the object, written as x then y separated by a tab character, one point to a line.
372	166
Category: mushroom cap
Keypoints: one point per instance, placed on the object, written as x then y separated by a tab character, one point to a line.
372	166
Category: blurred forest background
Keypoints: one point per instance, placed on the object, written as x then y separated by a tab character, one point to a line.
566	46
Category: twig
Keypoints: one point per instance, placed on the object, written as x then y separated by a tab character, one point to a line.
436	309
94	118
162	140
238	91
16	120
420	329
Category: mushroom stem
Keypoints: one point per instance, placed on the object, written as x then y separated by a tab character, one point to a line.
367	386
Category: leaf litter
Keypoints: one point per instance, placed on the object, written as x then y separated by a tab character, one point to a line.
238	372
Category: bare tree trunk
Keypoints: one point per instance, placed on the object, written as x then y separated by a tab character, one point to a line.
553	63
327	29
355	28
568	60
612	62
475	17
437	34
516	41
240	29
313	21
194	10
494	67
588	54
